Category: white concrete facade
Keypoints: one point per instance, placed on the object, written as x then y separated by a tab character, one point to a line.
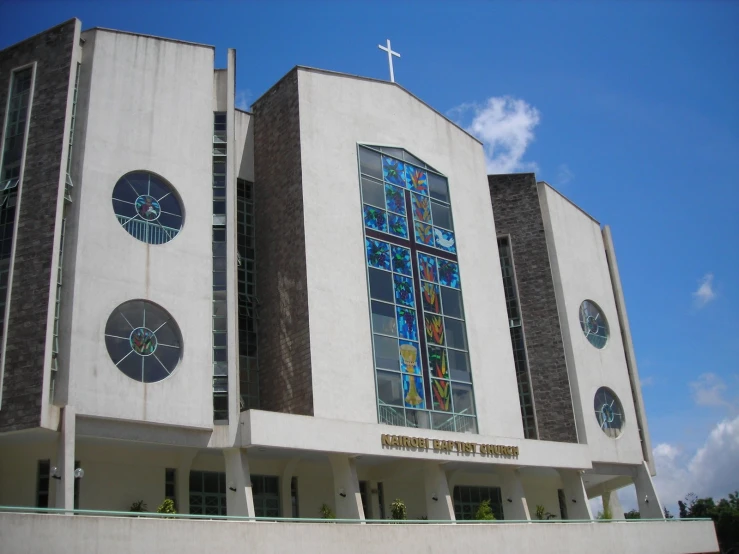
147	107
580	271
336	114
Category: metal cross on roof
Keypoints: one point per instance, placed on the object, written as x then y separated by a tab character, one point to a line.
390	55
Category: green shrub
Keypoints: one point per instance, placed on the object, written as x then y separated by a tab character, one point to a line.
541	513
484	511
327	512
166	507
139	506
398	510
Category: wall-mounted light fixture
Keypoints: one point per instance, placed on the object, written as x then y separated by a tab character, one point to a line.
435	498
574	501
509	500
342	494
646	498
231	486
79	473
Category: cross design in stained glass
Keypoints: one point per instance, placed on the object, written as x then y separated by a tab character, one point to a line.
416	300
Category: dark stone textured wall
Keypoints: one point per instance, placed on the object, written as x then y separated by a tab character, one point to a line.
285	382
34	235
518	214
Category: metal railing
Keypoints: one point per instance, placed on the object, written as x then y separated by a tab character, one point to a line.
146	231
113	513
459	423
391	416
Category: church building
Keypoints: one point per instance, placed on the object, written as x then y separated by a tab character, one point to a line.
322	305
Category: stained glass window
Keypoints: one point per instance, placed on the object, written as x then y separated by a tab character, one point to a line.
143	341
147	208
418	324
593	323
608	412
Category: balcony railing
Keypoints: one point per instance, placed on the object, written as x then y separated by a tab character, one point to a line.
147	231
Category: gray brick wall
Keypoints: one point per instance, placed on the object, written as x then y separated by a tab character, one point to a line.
518	214
34	235
285	382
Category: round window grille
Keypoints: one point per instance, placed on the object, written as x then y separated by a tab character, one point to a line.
143	341
147	208
609	412
593	323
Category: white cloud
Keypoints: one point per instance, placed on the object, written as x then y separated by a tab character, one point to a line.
705	292
709	390
647	381
505	125
243	99
564	174
711	471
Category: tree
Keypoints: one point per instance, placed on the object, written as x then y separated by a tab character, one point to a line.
668	515
632	514
725	516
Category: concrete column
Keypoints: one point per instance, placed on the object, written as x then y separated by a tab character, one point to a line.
578	506
65	459
286	498
613	504
439	505
649	505
183	481
240	502
515	507
347	499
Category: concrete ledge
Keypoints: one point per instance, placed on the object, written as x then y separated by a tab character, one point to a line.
30	533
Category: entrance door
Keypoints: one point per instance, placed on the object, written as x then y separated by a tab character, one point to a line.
266	493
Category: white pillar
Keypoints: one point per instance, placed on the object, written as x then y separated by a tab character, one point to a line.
182	481
286	497
515	507
613	504
578	506
436	487
347	499
649	505
65	460
240	502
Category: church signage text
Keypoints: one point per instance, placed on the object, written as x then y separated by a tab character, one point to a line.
436	445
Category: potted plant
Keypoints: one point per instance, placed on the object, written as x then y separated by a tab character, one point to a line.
484	511
398	510
138	506
166	507
327	512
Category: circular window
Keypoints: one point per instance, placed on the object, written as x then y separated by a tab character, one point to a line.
608	412
143	341
593	323
146	206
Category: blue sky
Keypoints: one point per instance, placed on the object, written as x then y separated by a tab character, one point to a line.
629	109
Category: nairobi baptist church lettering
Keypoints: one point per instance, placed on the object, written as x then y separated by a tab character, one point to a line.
401	441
